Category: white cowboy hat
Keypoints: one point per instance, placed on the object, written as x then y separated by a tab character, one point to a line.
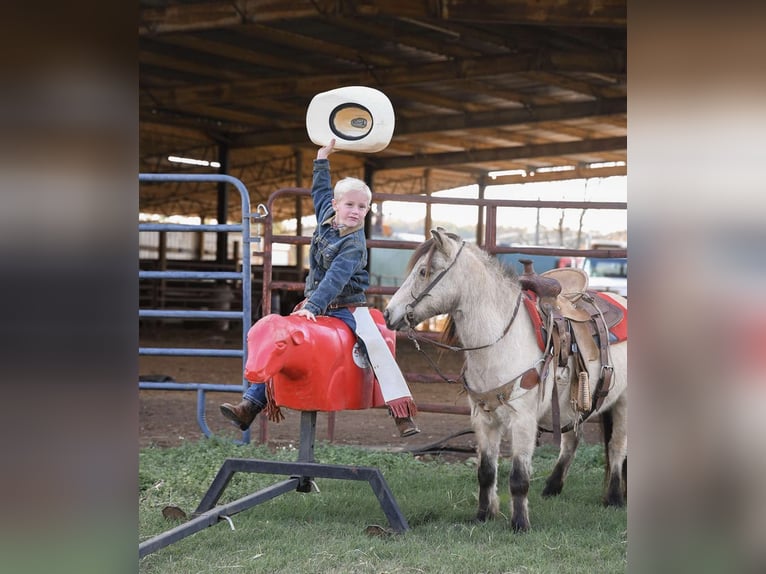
359	118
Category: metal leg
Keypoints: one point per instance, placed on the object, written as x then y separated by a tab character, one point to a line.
306	445
301	474
211	517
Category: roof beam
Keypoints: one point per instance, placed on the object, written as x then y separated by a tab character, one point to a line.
579	172
608	13
201	16
579	86
500	154
222	92
510	116
208	15
442	123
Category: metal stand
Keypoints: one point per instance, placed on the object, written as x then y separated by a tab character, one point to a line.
301	474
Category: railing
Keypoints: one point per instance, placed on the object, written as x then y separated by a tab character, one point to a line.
489	244
269	286
490	233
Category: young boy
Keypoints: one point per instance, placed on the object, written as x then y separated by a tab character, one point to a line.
337	278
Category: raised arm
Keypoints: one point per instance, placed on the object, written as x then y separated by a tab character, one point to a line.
325	151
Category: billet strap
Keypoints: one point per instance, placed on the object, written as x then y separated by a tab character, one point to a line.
556	415
605	377
564	340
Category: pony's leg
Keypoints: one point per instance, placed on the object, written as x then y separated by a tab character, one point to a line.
555	482
524	435
488	446
615	426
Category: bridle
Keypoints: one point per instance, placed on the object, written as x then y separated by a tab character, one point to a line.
409	308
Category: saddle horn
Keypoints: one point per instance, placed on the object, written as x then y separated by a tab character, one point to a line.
543	286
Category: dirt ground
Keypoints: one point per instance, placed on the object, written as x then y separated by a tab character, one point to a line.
169	417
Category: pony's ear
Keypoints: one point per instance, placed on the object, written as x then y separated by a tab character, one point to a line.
442	239
438	235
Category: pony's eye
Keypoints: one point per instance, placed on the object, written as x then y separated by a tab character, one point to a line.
422	272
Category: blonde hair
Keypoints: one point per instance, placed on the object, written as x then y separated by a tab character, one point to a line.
351	184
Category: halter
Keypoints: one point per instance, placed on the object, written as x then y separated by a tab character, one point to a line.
411	306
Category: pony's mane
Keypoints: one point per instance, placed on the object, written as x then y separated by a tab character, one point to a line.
427	247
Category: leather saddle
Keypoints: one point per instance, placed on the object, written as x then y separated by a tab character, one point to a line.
577	322
570	311
564	292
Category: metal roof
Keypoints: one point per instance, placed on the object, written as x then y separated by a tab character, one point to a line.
477	86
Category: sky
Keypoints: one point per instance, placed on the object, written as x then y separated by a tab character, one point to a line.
613	189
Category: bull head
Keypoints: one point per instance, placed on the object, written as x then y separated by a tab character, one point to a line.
271	344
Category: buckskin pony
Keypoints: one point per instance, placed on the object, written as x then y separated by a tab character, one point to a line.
528	365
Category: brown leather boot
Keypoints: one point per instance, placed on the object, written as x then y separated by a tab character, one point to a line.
406	426
241	415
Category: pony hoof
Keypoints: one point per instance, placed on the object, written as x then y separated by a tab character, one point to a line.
520	526
549	491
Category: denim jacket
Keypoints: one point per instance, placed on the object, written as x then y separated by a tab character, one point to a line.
337	258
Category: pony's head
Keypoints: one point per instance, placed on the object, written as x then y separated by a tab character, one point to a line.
430	288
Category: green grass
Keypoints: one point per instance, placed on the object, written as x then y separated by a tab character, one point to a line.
325	531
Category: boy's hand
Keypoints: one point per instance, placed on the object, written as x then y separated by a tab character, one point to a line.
324	151
305	313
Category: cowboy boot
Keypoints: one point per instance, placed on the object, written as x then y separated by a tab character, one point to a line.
241	415
406	426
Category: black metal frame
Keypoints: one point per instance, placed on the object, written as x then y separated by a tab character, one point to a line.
301	475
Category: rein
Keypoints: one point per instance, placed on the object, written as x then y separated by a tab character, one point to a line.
413	337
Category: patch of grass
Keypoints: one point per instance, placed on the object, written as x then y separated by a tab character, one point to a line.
325	531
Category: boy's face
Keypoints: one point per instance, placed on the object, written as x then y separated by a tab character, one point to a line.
351	208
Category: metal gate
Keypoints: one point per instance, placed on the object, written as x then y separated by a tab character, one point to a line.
244	276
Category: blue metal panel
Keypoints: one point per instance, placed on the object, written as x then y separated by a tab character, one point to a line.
180	352
188	227
244	277
189	275
189	314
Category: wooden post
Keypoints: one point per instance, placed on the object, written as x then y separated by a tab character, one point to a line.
480	219
428	224
369	176
299	210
